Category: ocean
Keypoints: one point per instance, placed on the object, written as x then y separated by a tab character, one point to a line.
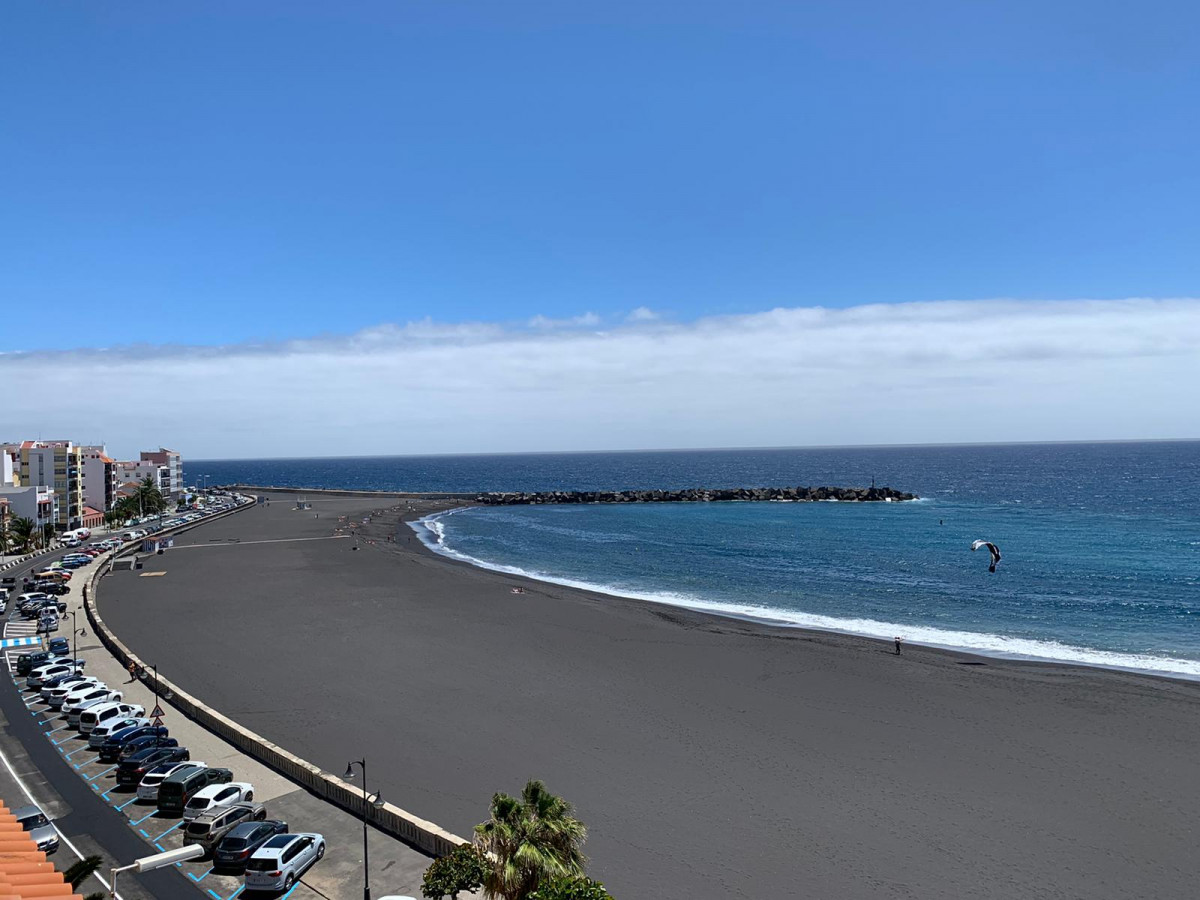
1100	542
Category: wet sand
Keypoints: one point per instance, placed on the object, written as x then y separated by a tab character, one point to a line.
711	758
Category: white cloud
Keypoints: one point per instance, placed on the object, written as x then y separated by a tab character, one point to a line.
587	320
642	314
888	373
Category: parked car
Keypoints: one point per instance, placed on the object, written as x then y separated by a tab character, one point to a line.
56	588
138	744
63	646
35	679
101	695
47	624
152	780
177	789
217	795
54	696
108	712
232	852
27	662
102	732
76	694
279	863
209	827
39	826
131	771
110	750
58	681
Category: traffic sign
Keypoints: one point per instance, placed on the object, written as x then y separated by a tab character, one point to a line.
157	722
158	712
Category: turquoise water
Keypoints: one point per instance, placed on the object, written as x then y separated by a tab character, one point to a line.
1101	542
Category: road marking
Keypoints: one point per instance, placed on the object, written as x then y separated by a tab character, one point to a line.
144	818
192	876
98	774
169	830
125	804
73	752
59	728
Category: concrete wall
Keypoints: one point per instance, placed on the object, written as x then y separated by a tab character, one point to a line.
330	492
390	819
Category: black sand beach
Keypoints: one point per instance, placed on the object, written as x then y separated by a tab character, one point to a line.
711	758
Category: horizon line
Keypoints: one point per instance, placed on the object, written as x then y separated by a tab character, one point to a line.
1173	440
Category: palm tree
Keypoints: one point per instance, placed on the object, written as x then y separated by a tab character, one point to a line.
529	840
21	528
149	496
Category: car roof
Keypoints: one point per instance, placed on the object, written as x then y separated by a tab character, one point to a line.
213	789
26	811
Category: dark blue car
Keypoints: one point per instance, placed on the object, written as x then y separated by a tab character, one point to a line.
60	646
110	750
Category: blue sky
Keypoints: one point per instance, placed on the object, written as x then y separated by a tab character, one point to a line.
225	172
297	228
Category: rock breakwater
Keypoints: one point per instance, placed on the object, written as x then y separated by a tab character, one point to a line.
698	495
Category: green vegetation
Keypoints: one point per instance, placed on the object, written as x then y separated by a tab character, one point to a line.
462	870
21	530
579	888
529	840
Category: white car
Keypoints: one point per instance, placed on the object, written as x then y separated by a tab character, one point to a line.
148	786
77	696
56	696
217	795
105	713
76	712
279	863
103	730
43	673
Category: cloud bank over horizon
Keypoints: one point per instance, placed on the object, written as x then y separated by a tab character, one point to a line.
935	372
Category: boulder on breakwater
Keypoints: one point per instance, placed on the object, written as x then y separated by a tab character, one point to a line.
697	495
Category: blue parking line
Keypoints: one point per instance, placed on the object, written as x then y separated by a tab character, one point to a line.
64	740
215	894
76	750
143	833
59	728
123	805
241	887
160	847
144	818
98	774
289	893
169	830
192	876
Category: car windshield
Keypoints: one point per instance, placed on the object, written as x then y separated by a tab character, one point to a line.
198	803
261	865
198	828
233	844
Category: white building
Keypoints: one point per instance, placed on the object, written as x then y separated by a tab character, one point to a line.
99	478
36	502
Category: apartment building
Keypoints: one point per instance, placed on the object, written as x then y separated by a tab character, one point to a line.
59	465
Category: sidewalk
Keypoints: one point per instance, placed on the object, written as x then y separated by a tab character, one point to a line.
395	867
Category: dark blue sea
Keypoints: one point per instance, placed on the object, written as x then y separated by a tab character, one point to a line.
1100	542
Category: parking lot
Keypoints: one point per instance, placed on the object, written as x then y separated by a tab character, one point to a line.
337	874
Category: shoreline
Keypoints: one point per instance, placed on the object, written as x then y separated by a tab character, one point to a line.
767	621
935	774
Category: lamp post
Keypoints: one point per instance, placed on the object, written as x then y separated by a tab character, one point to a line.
157	861
377	801
75	632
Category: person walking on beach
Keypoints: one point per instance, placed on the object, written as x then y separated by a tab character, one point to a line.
898	640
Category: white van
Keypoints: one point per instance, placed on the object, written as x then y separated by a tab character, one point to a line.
108	712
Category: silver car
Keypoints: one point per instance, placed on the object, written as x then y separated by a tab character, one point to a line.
37	823
208	828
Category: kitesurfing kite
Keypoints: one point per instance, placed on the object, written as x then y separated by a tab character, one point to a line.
992	549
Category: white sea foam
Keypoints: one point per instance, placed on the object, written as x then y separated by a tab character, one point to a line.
432	533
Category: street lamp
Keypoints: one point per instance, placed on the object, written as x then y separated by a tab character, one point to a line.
157	861
75	632
376	802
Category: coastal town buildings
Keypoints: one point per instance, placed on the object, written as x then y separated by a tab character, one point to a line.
59	465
